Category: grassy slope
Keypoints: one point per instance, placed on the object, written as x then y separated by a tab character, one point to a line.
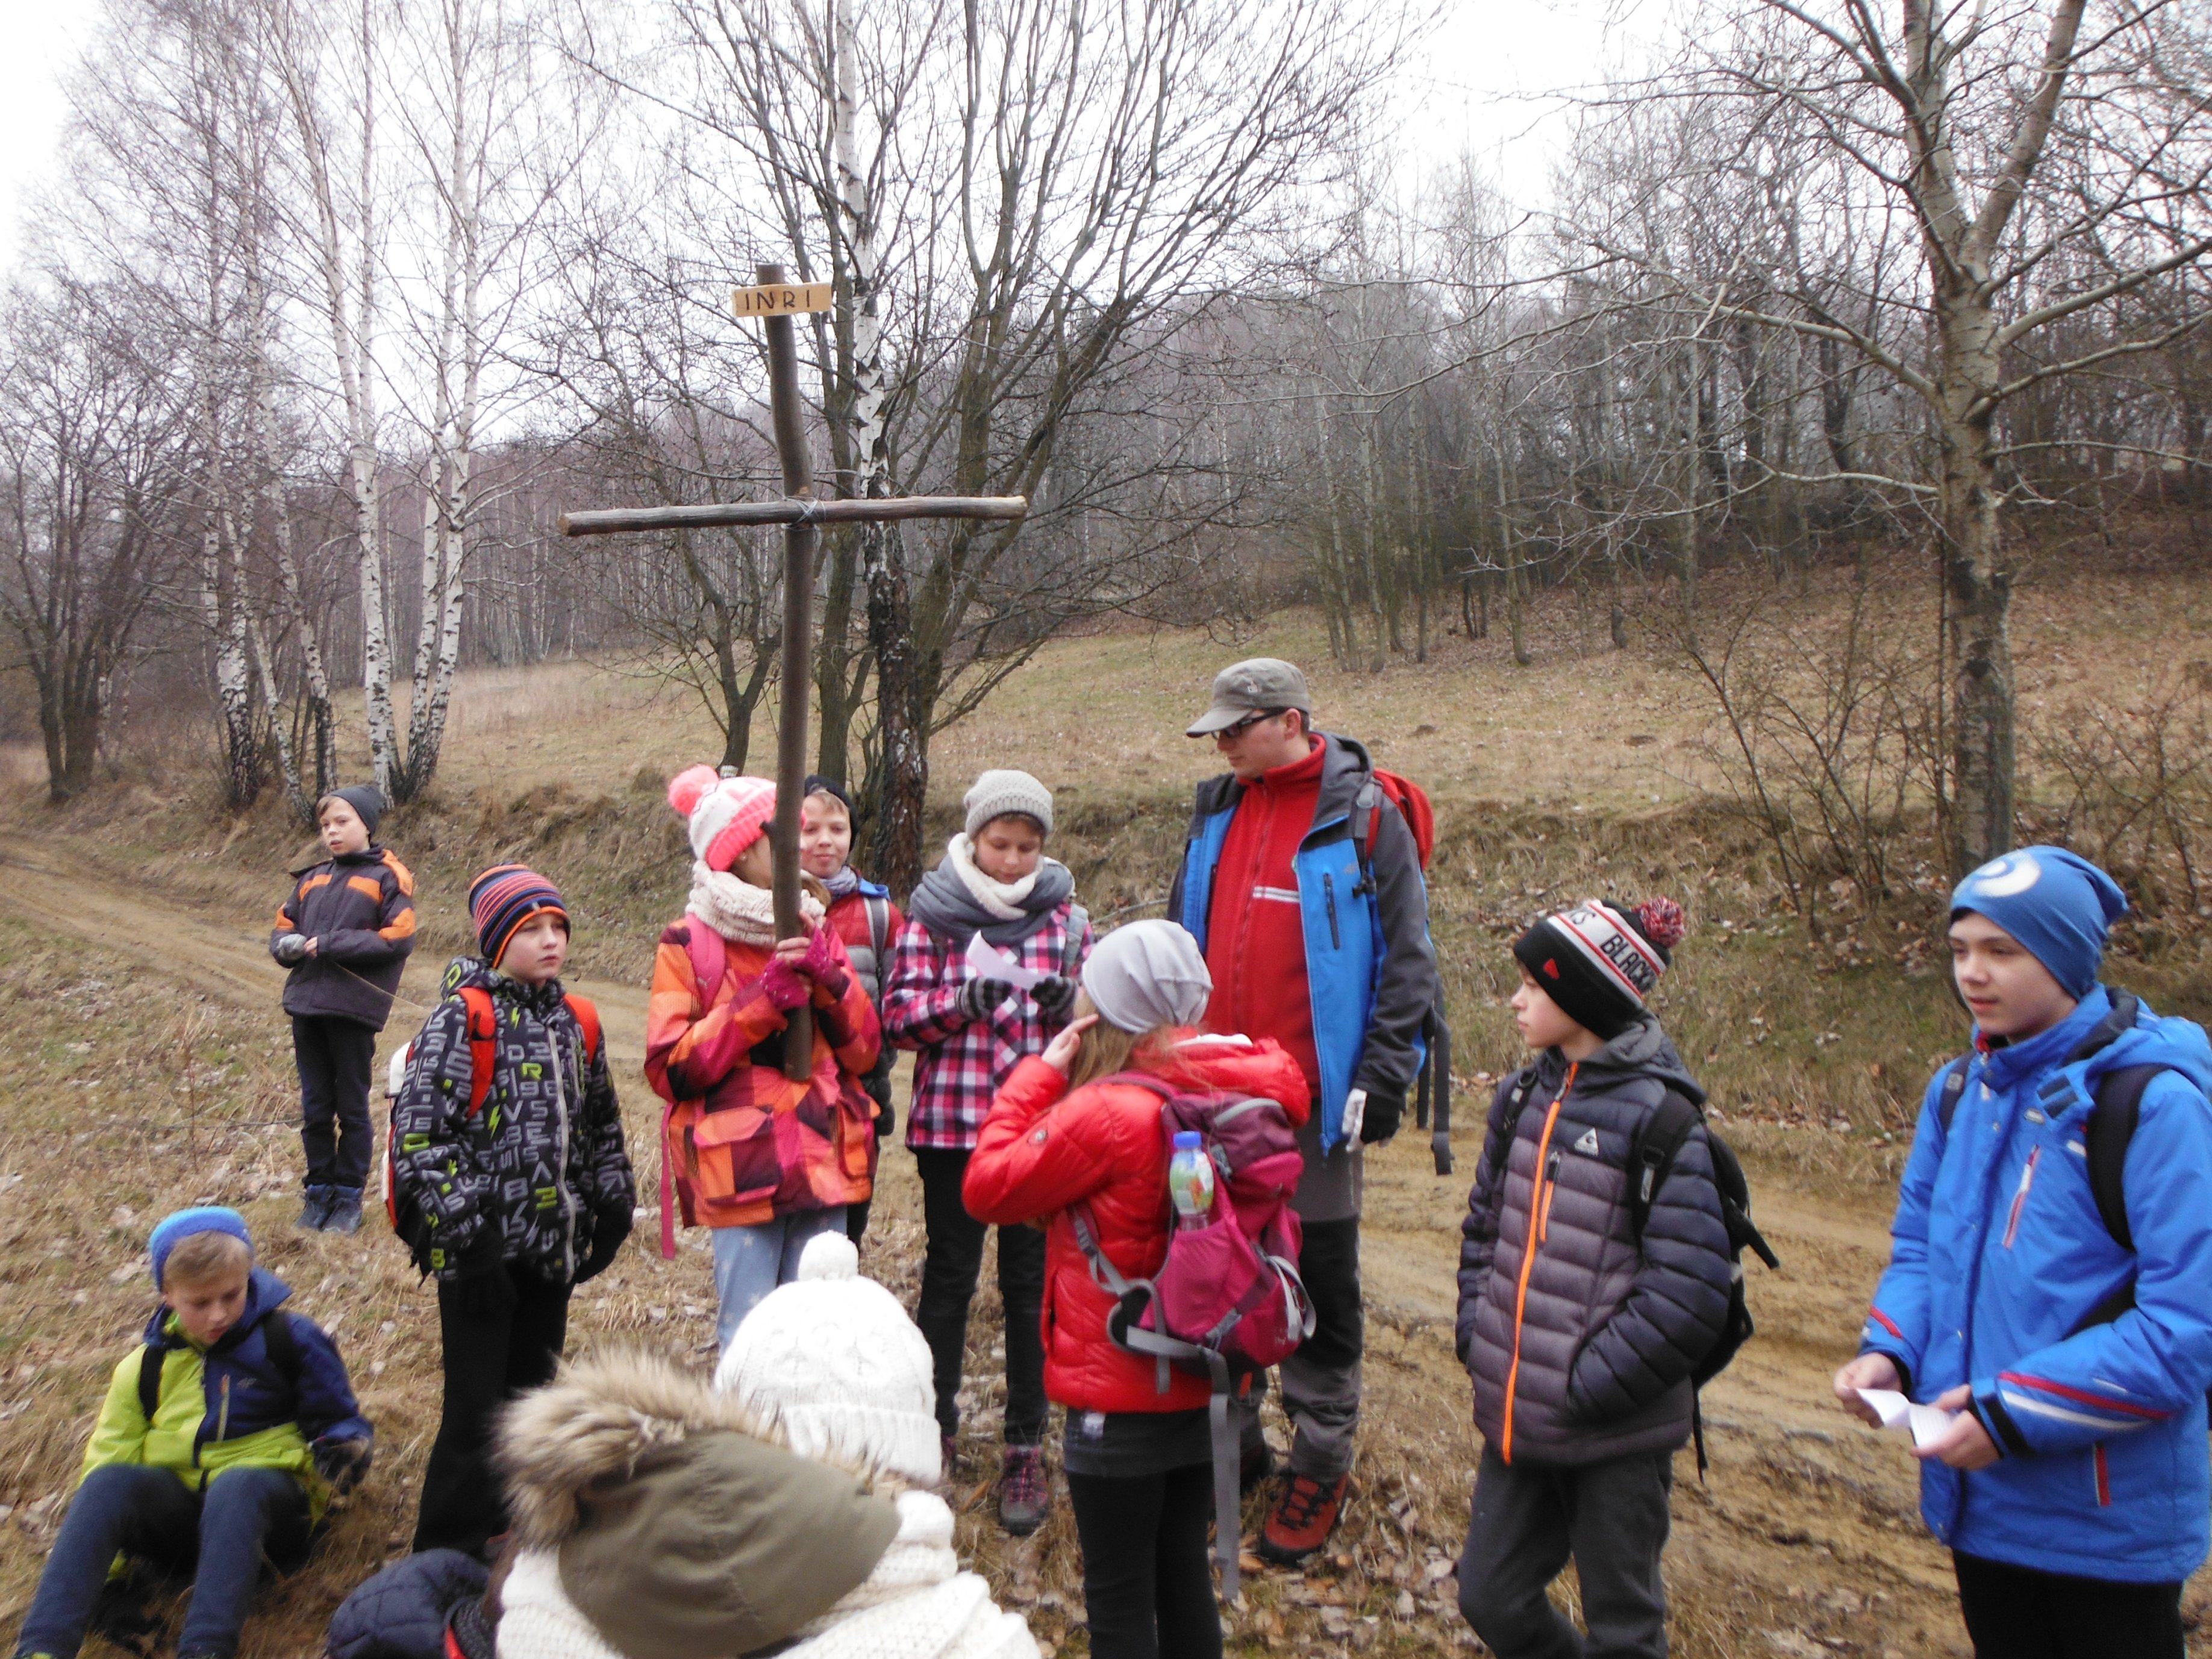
1546	781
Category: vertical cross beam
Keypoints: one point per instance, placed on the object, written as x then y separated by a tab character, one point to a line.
791	697
774	302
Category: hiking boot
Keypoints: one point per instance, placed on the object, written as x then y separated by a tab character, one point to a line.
1025	1493
1257	1463
948	1456
315	1213
345	1213
1301	1523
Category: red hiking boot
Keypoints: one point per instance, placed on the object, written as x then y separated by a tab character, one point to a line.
1302	1522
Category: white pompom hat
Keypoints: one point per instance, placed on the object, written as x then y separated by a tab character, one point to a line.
834	1359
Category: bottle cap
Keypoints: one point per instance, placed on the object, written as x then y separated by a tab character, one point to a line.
1186	1141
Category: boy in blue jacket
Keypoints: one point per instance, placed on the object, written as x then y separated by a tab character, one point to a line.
222	1435
2073	1485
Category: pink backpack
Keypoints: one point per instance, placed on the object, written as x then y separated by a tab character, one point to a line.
1228	1301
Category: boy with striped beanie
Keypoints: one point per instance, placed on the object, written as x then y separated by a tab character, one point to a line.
1585	1308
510	1182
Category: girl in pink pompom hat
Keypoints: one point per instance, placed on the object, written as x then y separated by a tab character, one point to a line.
766	1162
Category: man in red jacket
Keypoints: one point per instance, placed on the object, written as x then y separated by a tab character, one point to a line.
1327	952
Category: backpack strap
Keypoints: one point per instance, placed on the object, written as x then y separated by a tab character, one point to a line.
2111	1126
710	959
1955	1086
1651	1154
1071	948
484	1043
879	908
150	1360
587	1020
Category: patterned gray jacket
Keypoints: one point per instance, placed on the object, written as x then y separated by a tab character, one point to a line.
543	1162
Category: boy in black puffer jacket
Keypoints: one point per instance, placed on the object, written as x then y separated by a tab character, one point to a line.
345	933
1581	1334
510	1182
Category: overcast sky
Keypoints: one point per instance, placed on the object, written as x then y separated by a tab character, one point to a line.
1478	85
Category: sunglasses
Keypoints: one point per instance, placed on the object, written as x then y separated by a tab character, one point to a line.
1230	733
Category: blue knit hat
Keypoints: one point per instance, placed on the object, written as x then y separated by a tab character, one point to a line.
2057	903
175	1228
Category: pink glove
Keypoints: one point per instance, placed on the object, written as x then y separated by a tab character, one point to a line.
783	984
820	964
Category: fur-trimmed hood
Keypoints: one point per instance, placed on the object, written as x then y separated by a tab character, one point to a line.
599	1417
674	1522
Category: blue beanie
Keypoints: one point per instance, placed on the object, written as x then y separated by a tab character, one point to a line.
173	1229
2055	903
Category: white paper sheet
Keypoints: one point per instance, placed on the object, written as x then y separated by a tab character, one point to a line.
1925	1423
987	961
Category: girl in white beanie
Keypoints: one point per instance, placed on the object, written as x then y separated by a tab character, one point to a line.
967	1029
657	1517
1064	1137
766	1162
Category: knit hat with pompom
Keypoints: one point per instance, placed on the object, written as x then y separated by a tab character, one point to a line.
1601	960
724	815
834	1359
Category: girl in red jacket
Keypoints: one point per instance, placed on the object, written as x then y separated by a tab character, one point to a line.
1063	1134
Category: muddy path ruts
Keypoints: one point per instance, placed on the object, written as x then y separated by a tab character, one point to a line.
229	958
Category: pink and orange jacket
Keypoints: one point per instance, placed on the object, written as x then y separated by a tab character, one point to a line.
743	1143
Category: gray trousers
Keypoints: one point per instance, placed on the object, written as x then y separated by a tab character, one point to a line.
1321	1381
1529	1518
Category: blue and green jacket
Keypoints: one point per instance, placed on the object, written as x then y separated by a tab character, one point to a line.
1999	1272
230	1406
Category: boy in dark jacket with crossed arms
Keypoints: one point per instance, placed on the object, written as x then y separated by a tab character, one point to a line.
1580	1332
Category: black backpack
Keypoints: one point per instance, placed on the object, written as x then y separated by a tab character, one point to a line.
1650	1156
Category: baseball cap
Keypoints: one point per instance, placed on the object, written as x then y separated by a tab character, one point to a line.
1258	685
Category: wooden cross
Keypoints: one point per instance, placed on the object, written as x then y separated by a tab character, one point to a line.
776	302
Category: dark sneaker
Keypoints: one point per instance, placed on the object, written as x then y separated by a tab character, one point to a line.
1257	1463
315	1213
1302	1522
1025	1493
345	1215
948	1456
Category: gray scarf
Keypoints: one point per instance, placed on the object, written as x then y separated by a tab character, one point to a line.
949	904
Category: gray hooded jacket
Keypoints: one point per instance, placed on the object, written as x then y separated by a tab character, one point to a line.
1581	1343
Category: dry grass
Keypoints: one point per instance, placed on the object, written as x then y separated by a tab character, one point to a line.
144	1064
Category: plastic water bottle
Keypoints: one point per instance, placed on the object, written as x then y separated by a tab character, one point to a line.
1190	1180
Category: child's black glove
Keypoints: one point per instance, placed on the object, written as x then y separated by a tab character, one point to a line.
979	996
1053	996
480	1280
608	1233
343	1463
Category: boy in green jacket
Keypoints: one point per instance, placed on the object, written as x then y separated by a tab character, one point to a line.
222	1438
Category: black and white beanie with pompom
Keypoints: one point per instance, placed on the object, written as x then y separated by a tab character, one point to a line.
1601	960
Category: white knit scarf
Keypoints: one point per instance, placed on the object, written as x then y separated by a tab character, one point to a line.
740	912
1003	899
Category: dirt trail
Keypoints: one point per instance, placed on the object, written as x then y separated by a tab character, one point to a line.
43	883
1803	1541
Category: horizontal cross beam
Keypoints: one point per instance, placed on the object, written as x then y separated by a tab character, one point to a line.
613	520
